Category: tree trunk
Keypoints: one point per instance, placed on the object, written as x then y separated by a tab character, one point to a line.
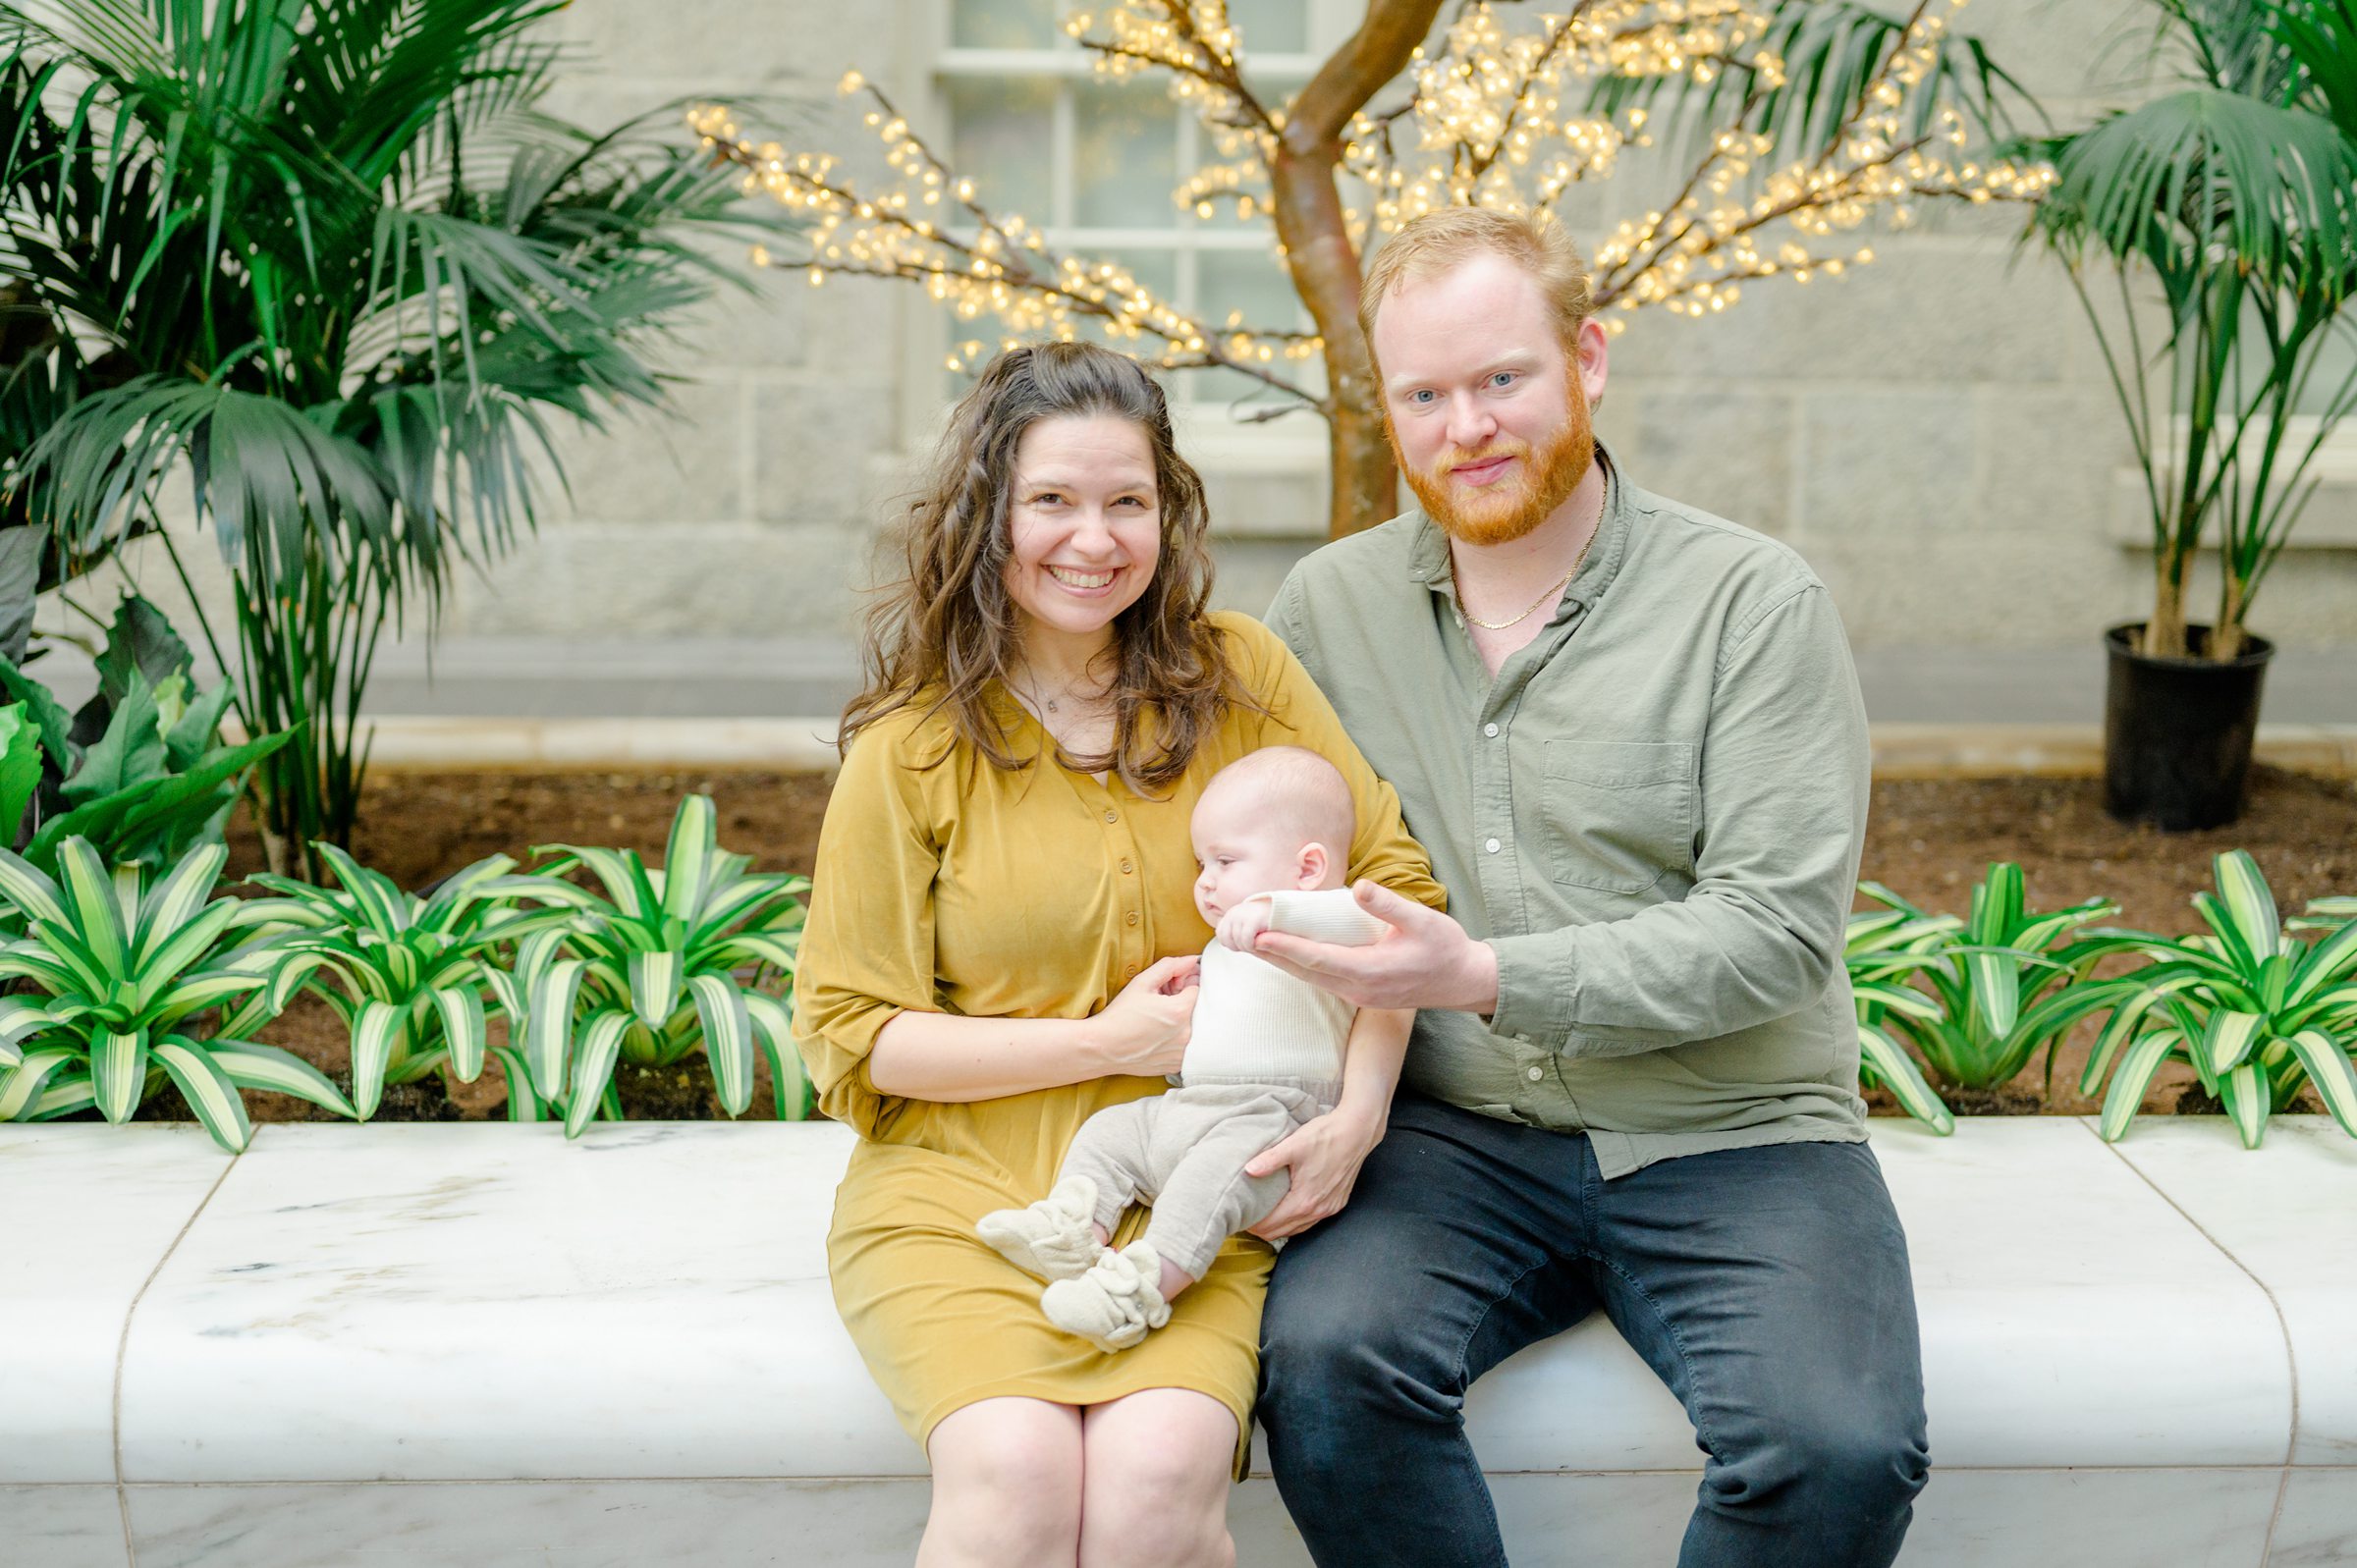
2165	633
1324	263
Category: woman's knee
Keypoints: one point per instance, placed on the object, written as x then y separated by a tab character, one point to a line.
1157	1482
1006	1478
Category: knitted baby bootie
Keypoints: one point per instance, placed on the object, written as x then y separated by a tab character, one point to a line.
1053	1239
1114	1303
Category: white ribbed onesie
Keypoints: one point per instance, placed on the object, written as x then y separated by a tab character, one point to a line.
1265	1056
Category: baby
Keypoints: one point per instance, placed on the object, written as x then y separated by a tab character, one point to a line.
1273	833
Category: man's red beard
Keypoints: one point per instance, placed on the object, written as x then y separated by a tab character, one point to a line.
1504	511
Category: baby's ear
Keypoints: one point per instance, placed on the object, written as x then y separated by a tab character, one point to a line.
1313	865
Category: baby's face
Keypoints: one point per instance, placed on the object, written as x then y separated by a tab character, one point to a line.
1239	857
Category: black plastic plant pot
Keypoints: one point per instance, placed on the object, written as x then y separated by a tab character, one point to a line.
2177	731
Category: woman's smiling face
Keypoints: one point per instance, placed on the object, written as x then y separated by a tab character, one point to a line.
1084	526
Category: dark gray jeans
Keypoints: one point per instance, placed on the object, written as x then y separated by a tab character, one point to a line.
1768	1287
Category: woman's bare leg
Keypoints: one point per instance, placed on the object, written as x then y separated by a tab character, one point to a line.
1006	1487
1155	1482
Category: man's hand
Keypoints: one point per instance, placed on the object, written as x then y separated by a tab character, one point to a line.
1247	920
1425	960
1323	1157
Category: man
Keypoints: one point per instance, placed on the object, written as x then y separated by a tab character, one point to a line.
1630	735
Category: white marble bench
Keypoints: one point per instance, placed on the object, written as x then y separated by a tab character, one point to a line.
479	1345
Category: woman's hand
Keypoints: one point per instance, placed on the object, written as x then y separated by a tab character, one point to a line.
1323	1157
1144	1029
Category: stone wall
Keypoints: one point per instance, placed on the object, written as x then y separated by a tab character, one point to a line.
1934	432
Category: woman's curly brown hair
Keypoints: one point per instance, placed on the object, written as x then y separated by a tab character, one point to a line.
946	629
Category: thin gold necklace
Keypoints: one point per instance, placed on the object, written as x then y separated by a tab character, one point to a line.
1551	591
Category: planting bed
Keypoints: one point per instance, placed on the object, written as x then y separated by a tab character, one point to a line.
1927	839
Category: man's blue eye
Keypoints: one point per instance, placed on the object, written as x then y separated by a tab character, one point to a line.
1422	396
1502	378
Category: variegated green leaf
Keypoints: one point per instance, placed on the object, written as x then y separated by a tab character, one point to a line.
174	901
380	906
70	1091
250	1064
2250	902
2125	1021
1888	1060
2231	1037
728	1039
601	1043
2330	1071
687	860
785	951
2135	1076
1995	989
2325	964
462	1011
172	953
21	1085
118	1070
548	1026
506	995
376	1038
2243	1091
207	1090
655	979
795	1093
523	1102
31	890
21	1019
97	917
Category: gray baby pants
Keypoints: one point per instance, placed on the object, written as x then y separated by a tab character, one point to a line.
1185	1152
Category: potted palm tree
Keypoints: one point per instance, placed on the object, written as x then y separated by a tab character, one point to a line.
2230	199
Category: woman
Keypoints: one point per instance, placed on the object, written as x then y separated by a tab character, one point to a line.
1000	943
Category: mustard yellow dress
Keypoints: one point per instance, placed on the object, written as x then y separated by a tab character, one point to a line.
1034	894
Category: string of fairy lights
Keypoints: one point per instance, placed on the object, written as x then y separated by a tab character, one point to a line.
1495	116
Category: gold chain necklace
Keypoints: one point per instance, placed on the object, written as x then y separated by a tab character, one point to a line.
1551	591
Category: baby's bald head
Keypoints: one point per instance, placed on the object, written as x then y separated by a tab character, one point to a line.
1283	796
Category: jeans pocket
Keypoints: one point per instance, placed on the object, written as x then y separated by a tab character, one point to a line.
1619	814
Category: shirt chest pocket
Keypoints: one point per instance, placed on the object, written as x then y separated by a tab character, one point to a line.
1618	815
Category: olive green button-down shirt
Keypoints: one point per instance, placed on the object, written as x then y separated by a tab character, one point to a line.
1653	813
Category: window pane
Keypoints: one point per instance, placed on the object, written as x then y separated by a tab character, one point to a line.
1003	135
1271	26
1125	156
1005	24
1156	271
1254	282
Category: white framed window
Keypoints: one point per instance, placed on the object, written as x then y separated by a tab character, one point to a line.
1019	108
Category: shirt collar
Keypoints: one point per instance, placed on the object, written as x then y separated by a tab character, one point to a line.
1428	553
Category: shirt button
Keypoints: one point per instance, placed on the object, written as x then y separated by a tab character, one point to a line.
1491	730
1112	816
1129	971
1130	919
1491	845
1126	868
1534	1075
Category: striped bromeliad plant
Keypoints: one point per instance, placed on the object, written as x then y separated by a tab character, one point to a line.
119	967
2006	980
662	961
406	973
2256	1011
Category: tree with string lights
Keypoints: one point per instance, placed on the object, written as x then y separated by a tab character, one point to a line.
1786	135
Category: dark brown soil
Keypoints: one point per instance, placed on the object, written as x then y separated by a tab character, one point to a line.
1928	840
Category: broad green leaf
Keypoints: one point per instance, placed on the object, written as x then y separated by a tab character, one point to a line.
1888	1060
461	1011
207	1090
728	1039
601	1041
117	1070
2135	1076
2330	1070
2244	1092
375	1039
19	767
250	1064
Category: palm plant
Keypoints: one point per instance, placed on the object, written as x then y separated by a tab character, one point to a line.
653	968
328	256
2233	196
119	966
2257	1011
409	972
